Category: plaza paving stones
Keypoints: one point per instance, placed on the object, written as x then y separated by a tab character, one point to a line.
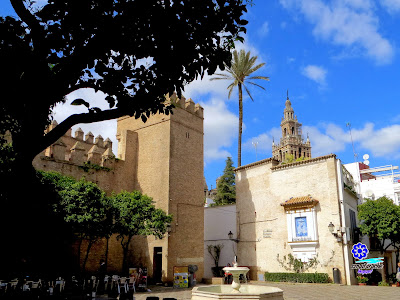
292	291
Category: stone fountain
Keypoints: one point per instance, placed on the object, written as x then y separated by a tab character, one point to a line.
236	291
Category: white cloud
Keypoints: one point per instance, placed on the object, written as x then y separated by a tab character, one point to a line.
349	23
264	29
289	60
331	138
392	6
200	87
264	142
384	142
220	129
324	143
315	73
220	125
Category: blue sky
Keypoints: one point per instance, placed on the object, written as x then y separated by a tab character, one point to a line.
339	60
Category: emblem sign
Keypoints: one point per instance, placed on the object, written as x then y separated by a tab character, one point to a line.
364	265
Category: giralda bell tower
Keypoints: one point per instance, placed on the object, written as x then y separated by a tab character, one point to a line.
292	141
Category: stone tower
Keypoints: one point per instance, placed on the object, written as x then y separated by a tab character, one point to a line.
169	168
292	141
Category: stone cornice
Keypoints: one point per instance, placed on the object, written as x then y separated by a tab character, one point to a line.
303	162
260	162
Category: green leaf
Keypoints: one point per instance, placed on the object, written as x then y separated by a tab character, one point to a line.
80	101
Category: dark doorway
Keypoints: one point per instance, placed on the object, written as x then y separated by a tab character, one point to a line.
157	265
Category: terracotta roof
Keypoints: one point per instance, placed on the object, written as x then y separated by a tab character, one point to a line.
260	162
284	166
300	202
303	162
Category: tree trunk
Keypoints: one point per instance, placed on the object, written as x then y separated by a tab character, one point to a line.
106	254
240	125
384	278
125	248
79	252
87	255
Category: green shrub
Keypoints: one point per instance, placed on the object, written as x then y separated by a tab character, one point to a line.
297	277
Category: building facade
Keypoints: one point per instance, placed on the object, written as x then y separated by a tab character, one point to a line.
286	209
373	183
162	158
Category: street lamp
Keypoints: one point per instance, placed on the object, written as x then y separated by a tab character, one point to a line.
337	235
230	235
331	227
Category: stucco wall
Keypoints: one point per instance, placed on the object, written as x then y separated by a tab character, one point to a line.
218	222
263	232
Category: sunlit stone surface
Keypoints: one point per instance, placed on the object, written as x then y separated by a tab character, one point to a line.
245	292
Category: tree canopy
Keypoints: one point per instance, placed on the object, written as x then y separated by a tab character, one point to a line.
93	216
136	215
82	205
226	188
381	219
133	51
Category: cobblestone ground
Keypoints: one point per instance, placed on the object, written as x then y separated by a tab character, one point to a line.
292	291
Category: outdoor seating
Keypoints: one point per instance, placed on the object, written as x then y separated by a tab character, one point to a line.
3	287
122	285
13	284
114	286
132	283
114	281
60	285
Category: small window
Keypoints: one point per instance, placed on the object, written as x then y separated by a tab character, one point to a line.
353	227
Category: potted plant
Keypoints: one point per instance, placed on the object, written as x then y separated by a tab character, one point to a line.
362	280
215	252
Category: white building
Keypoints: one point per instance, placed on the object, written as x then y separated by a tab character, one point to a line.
305	209
376	182
219	221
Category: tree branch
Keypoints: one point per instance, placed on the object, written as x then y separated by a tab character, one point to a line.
72	120
26	16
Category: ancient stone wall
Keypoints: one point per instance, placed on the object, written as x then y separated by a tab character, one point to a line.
162	158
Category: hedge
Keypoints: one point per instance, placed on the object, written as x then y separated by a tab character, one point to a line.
297	277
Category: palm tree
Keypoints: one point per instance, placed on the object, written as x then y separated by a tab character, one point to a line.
243	65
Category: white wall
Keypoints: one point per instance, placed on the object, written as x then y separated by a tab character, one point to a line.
218	221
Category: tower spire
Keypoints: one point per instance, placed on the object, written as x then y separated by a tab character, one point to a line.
292	142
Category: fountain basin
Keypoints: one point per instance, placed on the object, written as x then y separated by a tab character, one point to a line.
245	292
